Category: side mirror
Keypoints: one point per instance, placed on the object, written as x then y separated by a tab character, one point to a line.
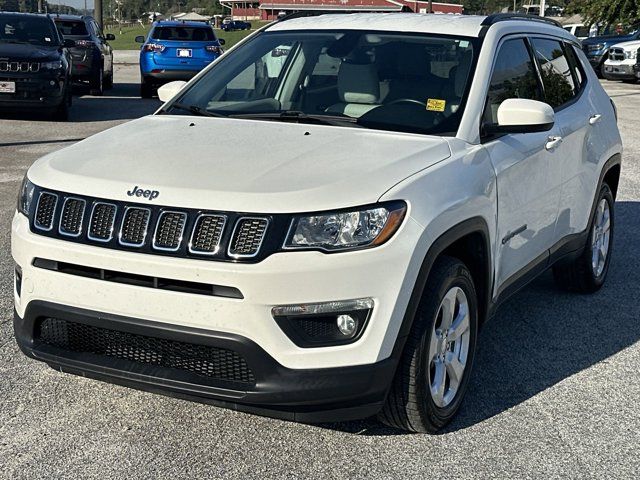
221	41
519	115
110	37
170	90
139	39
68	43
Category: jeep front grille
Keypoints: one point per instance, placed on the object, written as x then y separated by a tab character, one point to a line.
19	66
206	362
222	236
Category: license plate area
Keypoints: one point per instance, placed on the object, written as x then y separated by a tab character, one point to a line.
7	87
184	53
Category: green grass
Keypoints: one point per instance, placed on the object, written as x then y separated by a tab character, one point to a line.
126	40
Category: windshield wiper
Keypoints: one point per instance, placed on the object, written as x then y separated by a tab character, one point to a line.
201	112
300	117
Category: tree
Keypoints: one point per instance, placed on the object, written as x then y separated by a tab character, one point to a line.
607	12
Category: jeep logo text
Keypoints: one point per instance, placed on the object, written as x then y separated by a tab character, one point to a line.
138	192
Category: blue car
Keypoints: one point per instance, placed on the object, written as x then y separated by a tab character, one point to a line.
175	50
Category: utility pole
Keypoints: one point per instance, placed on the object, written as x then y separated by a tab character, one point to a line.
97	13
430	7
543	6
39	6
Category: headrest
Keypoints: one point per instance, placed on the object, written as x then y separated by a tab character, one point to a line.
413	60
358	83
462	72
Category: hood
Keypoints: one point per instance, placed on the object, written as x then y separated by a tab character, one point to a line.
607	39
633	45
22	51
239	165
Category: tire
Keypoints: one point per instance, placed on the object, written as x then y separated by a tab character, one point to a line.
146	88
61	114
587	274
96	84
410	404
108	82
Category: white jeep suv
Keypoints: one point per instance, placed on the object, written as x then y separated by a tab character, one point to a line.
316	226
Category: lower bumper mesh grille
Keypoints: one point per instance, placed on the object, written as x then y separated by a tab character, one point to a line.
206	361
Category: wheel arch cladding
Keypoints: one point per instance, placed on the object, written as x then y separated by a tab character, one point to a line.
469	241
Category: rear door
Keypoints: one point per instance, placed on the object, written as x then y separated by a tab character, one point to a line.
527	178
563	90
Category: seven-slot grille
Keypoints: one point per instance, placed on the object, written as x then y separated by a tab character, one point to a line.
248	237
14	66
153	229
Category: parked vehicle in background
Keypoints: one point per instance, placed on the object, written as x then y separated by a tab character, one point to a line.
621	61
597	48
175	50
636	67
92	56
35	65
321	238
579	30
235	25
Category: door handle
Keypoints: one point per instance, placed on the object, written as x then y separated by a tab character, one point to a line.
553	142
593	119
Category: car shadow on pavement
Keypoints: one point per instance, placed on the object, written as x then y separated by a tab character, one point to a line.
543	335
122	102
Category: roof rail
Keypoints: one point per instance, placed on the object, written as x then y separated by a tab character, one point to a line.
502	17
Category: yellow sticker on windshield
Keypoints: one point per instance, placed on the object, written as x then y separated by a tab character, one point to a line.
436	105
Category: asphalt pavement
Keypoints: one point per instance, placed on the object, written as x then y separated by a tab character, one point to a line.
555	392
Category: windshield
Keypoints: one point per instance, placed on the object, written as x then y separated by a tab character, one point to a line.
389	81
23	29
183	34
72	28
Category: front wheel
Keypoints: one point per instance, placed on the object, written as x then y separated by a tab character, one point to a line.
587	273
436	363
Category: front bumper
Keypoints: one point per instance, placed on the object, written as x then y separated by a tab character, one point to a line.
595	60
386	274
618	71
312	395
38	90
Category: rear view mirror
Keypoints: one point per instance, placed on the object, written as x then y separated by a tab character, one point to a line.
221	41
139	39
170	90
110	37
519	115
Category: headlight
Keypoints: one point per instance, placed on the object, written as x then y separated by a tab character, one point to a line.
25	196
55	65
346	230
595	48
631	55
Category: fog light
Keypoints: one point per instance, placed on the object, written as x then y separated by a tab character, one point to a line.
347	325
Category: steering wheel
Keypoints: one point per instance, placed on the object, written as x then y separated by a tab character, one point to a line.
407	100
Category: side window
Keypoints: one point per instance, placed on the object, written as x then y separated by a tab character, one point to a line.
514	76
96	28
559	86
575	65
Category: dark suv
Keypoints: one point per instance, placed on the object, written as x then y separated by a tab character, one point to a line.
235	25
92	56
35	70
